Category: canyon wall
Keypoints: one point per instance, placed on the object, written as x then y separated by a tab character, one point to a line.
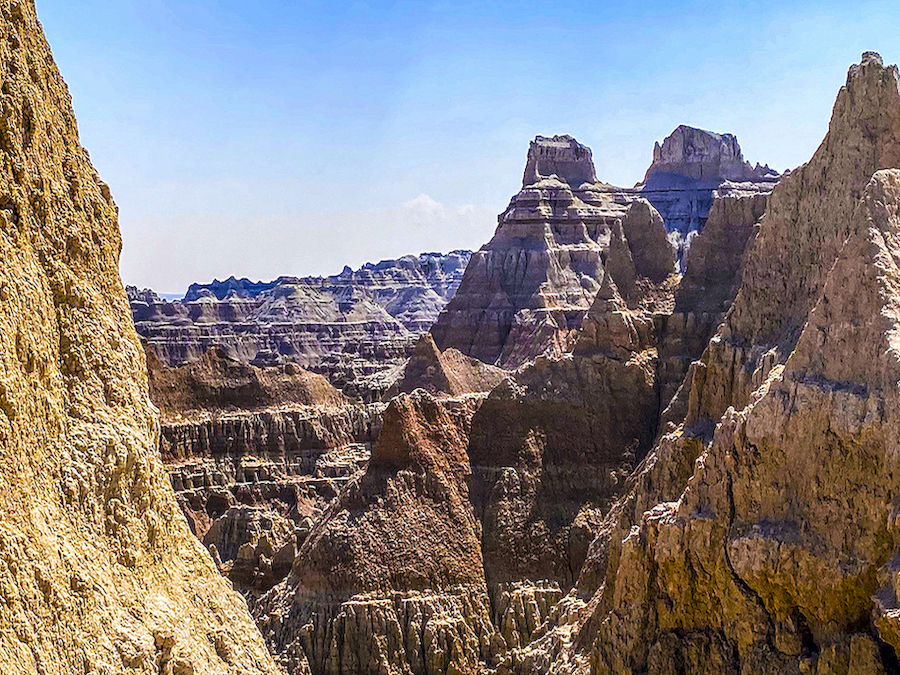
98	570
758	535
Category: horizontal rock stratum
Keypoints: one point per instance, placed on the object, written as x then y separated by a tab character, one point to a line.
351	327
527	291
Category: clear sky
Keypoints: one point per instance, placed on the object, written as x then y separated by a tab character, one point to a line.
291	137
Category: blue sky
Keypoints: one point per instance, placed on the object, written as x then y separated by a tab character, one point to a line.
269	138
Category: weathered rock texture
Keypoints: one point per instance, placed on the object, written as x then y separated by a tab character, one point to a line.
252	483
449	373
391	579
529	288
98	570
351	327
776	550
690	170
562	157
216	383
695	153
706	290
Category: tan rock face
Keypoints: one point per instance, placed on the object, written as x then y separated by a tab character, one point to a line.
217	383
98	570
775	550
449	373
784	274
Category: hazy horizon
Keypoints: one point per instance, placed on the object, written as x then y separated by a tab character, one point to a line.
275	138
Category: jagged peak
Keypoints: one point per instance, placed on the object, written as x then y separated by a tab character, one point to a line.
699	154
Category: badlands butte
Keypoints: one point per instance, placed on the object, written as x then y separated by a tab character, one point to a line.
645	430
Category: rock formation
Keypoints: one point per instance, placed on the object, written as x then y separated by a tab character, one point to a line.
690	170
527	289
562	157
390	579
703	155
98	570
707	288
216	383
775	550
449	373
351	327
252	483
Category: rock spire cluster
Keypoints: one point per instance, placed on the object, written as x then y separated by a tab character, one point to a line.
610	455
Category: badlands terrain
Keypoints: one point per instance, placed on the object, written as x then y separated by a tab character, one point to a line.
641	430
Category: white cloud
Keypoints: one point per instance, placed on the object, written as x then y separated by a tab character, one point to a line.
426	211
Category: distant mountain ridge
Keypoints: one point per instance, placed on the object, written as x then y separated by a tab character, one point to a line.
351	326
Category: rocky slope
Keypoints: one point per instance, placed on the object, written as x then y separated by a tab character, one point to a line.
390	579
98	570
217	383
350	327
252	483
774	550
449	373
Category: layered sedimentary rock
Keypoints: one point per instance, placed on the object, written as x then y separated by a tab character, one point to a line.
527	289
252	483
216	383
690	170
775	551
98	570
350	327
449	373
551	448
391	579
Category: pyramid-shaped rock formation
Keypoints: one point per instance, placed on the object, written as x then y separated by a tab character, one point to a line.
390	579
449	373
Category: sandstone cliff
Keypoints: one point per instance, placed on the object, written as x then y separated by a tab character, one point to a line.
98	570
775	550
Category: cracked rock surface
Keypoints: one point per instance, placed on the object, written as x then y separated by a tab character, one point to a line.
98	570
